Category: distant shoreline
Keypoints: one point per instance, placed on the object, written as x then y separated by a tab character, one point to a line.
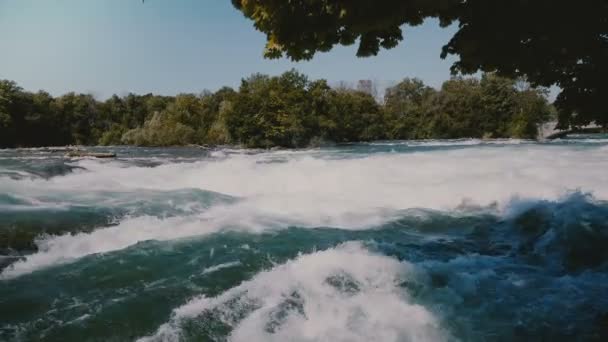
287	111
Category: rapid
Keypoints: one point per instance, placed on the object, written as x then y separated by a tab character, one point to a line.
442	240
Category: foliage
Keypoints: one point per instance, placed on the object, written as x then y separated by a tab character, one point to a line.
548	42
287	110
488	108
161	129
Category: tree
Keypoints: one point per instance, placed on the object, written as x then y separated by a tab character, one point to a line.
218	133
356	116
215	108
550	42
44	125
490	107
9	91
80	113
268	111
287	110
162	129
405	104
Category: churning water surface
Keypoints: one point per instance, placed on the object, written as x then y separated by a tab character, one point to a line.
445	240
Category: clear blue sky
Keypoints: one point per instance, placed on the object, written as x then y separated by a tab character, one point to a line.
172	46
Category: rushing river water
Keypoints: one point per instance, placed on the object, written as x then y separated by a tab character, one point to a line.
459	240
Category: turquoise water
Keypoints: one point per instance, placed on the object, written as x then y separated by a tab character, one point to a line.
447	240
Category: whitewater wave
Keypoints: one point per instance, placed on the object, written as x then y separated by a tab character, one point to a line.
568	232
451	142
304	189
469	240
581	141
243	216
216	268
53	250
341	294
140	202
437	179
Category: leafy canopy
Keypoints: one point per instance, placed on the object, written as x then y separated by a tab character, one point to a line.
549	42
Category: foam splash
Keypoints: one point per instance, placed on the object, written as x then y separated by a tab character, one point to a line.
216	268
341	294
450	142
54	250
437	179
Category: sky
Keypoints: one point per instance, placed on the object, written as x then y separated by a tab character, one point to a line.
167	47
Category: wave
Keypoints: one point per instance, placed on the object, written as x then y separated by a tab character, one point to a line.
26	220
32	167
137	217
341	294
538	274
305	190
450	142
216	268
439	180
517	274
602	141
567	234
137	202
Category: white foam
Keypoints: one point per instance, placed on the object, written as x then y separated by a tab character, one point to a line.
67	248
450	142
216	268
437	179
246	175
297	301
578	141
309	189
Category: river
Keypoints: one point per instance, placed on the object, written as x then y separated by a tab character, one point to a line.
444	240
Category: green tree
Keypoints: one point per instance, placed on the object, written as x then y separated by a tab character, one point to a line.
268	111
218	133
287	110
44	125
356	116
9	92
216	107
80	111
406	104
162	129
532	110
490	107
498	104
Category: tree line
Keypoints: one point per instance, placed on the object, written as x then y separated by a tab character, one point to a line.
266	111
